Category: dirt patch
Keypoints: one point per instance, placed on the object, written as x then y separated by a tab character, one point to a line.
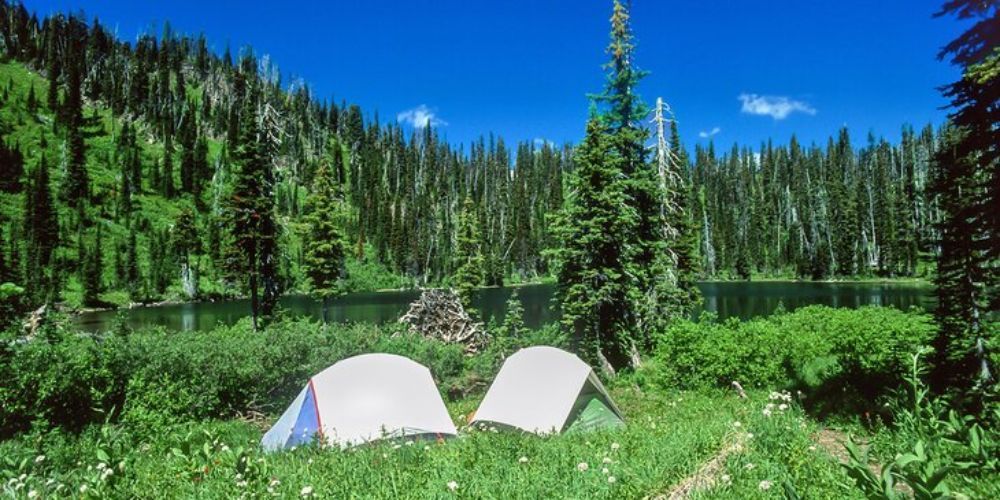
708	474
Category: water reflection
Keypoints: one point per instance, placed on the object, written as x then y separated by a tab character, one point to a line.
729	299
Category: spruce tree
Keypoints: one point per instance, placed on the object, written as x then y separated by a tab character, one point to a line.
42	230
595	290
624	113
469	263
93	266
967	186
251	204
326	246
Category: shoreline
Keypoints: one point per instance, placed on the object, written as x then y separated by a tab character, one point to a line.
916	282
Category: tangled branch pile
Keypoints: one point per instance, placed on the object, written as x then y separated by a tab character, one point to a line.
438	314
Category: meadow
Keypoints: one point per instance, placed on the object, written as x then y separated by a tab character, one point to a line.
140	414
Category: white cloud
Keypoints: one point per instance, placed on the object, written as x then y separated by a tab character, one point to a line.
541	141
420	117
705	135
777	107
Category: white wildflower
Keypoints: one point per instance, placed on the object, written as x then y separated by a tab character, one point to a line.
32	494
102	466
241	484
274	482
523	460
582	466
605	471
452	485
306	491
749	435
737	424
225	448
39	459
726	479
615	446
812	448
764	485
396	447
767	412
748	466
611	479
782	407
83	488
606	460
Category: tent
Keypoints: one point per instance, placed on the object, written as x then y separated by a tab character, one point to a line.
544	390
363	399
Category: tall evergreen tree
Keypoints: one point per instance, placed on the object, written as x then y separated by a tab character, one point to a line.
42	230
252	203
326	246
595	290
968	191
470	272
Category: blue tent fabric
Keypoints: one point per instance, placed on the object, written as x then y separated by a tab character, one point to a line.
282	430
307	424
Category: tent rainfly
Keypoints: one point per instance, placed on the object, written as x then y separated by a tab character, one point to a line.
363	399
547	390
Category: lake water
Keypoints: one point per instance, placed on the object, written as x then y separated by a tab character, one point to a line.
726	299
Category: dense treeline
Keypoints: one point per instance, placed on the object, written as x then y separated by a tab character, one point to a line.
194	160
144	151
816	212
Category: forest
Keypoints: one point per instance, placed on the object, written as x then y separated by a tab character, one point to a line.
160	170
140	144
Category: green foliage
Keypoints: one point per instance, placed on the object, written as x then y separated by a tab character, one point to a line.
935	447
469	271
325	248
596	292
842	359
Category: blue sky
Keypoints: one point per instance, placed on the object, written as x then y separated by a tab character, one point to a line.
733	71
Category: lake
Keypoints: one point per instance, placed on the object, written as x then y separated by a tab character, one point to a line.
726	299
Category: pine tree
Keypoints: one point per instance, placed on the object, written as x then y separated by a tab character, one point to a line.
326	246
133	279
93	266
968	192
252	204
42	230
648	258
469	265
595	290
167	169
512	330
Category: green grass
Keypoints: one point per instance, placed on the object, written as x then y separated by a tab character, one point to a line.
668	437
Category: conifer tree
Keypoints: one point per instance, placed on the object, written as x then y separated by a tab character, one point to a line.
470	272
93	266
326	246
968	192
42	230
252	204
595	290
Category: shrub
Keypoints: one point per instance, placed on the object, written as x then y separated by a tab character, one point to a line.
835	356
155	377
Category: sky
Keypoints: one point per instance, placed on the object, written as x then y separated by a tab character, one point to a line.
732	71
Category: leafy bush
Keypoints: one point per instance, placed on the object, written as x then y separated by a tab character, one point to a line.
69	380
834	356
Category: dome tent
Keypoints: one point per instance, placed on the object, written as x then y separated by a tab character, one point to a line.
362	399
544	390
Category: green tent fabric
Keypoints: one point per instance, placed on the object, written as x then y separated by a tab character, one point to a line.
593	414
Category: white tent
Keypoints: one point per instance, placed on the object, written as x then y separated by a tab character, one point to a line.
544	390
362	399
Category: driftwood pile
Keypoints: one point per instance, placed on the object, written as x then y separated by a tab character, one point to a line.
438	314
